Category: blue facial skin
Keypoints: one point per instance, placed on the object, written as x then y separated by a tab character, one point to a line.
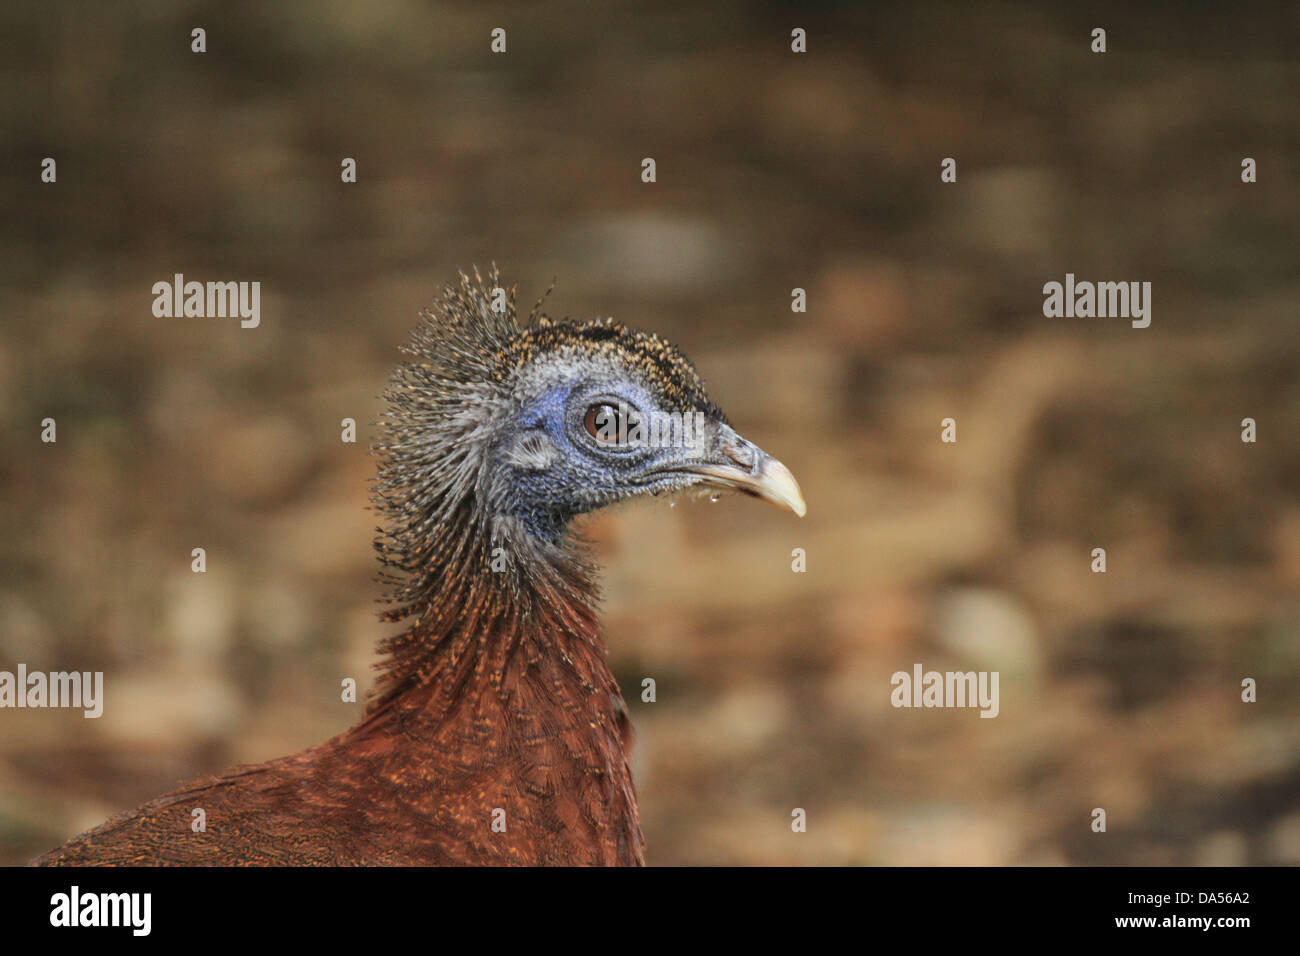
547	414
584	475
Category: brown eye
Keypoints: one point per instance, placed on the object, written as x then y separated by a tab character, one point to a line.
603	424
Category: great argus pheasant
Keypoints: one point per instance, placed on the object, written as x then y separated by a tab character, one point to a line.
497	733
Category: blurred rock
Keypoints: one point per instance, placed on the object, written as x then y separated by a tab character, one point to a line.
1223	848
989	631
201	611
1284	840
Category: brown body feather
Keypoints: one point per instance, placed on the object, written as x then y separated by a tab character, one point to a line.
418	781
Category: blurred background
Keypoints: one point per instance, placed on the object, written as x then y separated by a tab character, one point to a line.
775	171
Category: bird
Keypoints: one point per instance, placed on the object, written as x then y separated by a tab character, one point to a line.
496	733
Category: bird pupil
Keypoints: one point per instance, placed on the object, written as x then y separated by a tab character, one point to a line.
602	423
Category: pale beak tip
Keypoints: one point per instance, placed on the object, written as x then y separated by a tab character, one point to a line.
778	486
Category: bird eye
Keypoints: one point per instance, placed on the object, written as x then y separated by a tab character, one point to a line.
603	423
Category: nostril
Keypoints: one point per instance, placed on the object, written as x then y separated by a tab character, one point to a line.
741	453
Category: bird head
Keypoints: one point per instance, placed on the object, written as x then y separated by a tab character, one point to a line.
522	426
599	413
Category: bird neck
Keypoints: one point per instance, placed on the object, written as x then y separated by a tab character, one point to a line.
487	601
502	676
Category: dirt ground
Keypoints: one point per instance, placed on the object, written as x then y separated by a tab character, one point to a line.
775	171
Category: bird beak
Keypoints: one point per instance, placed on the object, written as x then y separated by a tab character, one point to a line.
750	469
